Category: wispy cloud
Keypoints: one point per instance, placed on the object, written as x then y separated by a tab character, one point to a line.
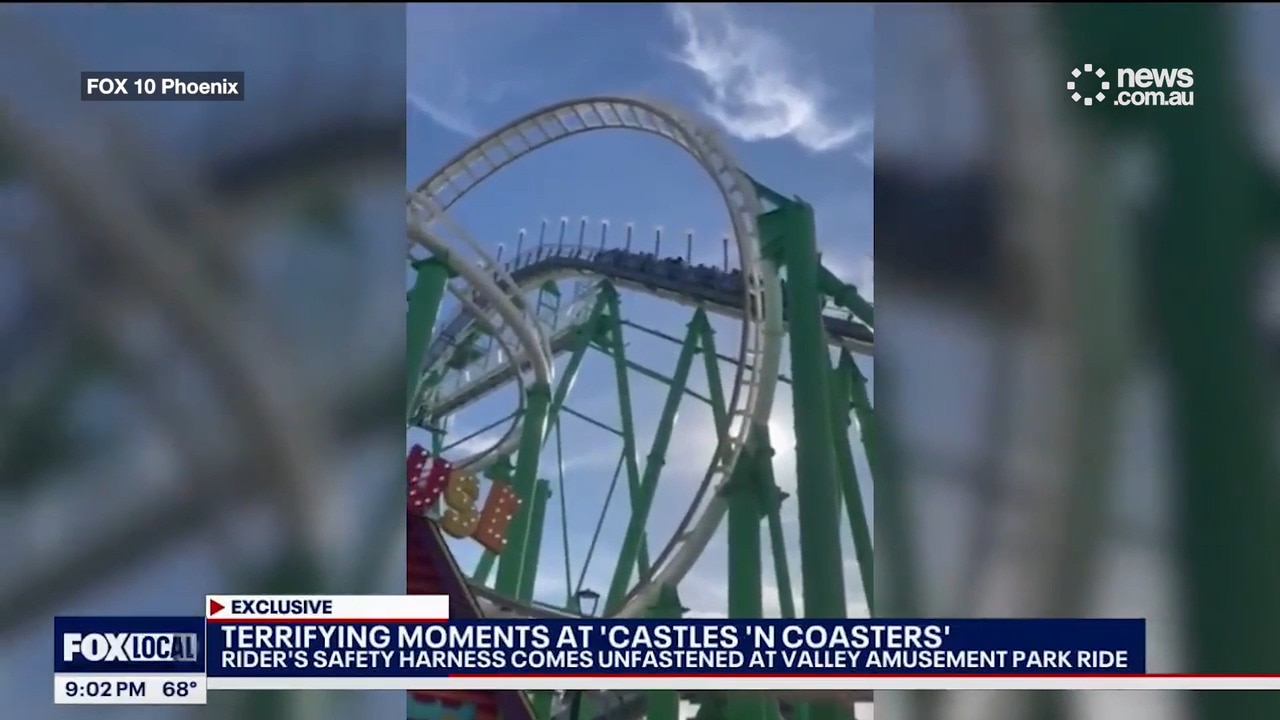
451	119
756	93
463	59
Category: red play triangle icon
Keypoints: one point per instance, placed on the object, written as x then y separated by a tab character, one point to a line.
215	607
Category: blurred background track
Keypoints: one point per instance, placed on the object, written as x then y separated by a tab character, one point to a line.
200	328
1073	338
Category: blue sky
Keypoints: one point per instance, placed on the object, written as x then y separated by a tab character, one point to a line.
790	92
793	91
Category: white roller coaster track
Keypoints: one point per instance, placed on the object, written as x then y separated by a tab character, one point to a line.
486	279
493	326
751	400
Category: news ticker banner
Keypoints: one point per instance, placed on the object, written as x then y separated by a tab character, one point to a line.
410	643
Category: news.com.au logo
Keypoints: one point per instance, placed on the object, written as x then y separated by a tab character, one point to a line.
1136	87
130	647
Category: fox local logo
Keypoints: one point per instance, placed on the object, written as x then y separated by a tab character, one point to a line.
130	647
1139	87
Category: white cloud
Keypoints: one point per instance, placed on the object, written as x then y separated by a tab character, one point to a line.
453	120
867	155
458	59
755	91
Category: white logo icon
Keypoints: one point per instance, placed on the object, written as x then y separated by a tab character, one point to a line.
1104	85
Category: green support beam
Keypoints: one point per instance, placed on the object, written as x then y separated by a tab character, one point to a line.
532	432
431	276
790	230
865	414
665	704
842	393
845	295
537	521
629	555
745	565
617	349
584	335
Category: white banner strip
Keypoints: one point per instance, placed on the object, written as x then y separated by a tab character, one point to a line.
117	689
1147	682
322	608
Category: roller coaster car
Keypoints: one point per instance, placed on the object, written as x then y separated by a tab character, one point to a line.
673	268
729	282
465	354
610	256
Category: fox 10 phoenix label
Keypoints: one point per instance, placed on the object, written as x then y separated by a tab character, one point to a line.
129	661
169	86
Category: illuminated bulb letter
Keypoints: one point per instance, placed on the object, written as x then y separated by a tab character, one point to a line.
427	477
414	464
461	518
499	508
434	481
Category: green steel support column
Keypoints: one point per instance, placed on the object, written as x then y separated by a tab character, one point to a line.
541	701
511	563
584	335
745	601
841	394
777	542
587	332
816	491
846	296
431	275
712	709
778	548
665	704
586	708
711	365
657	458
538	518
720	417
630	461
865	414
501	472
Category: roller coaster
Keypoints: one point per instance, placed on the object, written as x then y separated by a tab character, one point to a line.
511	323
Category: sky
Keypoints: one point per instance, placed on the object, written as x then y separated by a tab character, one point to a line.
791	95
